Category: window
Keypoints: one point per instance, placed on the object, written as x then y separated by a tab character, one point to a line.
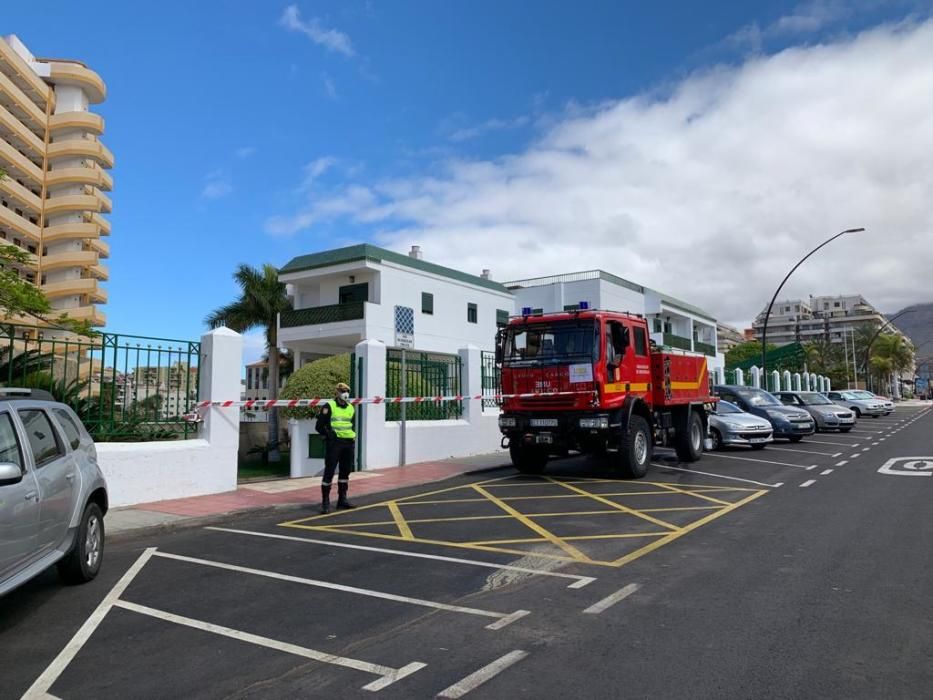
836	305
427	303
471	313
641	341
354	293
10	451
502	317
42	437
72	432
657	325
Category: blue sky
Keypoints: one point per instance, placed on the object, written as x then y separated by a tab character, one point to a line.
257	131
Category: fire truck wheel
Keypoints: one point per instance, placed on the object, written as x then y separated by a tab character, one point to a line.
528	460
635	449
689	442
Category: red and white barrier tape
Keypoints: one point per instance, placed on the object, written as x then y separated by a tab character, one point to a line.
311	403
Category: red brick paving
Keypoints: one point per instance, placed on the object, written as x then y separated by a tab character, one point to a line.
244	498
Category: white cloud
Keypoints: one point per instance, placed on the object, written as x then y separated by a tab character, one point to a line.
217	185
330	39
806	18
472	132
330	88
245	152
710	192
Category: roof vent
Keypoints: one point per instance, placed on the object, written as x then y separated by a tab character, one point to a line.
485	275
416	253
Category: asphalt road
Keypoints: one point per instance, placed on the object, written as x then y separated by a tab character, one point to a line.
799	571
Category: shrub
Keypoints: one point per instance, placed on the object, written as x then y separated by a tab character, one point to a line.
315	380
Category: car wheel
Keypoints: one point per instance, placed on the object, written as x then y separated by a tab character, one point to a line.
82	563
528	460
858	413
844	430
635	449
716	438
876	416
796	438
759	447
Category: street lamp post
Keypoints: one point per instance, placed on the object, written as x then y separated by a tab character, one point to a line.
868	380
764	330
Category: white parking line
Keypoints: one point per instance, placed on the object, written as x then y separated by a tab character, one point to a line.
578	581
761	461
856	455
503	619
867	432
842	463
611	600
826	472
811	467
827	442
803	452
865	449
388	674
477	678
807	483
42	685
720	476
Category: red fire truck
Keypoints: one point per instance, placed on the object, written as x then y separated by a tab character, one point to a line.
593	381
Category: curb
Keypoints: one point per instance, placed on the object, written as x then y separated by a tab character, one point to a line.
217	518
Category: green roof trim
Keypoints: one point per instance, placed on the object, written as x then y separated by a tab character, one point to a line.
372	253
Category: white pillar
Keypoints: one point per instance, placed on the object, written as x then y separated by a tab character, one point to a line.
775	381
756	377
796	382
786	384
471	358
376	448
221	361
828	386
739	377
806	382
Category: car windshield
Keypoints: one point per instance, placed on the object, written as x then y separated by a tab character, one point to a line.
812	398
550	343
864	394
853	396
724	407
759	397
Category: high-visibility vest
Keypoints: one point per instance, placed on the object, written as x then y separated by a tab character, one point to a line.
341	420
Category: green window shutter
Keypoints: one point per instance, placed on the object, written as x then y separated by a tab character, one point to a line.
427	303
471	313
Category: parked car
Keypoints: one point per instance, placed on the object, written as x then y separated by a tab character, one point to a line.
886	402
857	403
826	414
53	496
788	422
730	425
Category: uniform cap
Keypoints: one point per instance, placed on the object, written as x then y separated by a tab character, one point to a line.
342	387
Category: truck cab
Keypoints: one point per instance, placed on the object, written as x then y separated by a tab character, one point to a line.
592	381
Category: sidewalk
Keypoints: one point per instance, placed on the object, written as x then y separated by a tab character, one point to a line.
289	493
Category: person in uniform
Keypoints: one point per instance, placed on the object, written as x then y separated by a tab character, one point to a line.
335	423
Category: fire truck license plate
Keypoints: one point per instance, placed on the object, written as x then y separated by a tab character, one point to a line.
544	438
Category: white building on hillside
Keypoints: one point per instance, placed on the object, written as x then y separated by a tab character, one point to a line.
363	292
673	323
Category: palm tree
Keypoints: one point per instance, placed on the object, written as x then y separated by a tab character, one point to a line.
892	353
262	298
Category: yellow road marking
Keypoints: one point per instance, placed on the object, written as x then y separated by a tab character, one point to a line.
532	540
399	520
674	489
531	525
618	506
684	530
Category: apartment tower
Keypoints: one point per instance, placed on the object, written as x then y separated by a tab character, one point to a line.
56	174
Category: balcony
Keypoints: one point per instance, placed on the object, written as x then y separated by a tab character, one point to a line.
320	315
82	313
12	221
676	341
17	164
70	232
103	249
75	287
24	137
81	148
72	203
100	272
79	176
15	68
75	73
705	348
22	106
85	121
69	258
21	195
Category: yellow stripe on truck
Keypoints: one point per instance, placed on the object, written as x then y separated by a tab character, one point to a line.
623	387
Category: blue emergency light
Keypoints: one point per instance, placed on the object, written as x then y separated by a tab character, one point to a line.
584	305
526	311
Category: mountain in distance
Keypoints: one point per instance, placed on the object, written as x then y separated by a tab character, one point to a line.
918	326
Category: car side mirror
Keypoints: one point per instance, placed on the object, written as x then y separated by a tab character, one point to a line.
10	474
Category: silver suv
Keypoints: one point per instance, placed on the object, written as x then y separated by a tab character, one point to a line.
53	496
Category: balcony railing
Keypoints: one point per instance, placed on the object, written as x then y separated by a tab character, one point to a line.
676	341
705	348
318	315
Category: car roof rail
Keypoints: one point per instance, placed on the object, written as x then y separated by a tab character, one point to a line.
11	393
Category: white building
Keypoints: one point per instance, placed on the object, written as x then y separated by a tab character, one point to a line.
342	297
830	318
673	323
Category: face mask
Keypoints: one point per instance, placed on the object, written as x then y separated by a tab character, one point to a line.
344	395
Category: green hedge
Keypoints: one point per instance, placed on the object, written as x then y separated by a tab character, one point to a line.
315	380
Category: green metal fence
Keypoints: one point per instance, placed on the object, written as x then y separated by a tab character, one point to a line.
318	315
491	379
426	374
123	387
676	341
705	348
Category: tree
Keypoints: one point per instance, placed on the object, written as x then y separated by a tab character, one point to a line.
746	351
828	359
262	299
891	353
316	380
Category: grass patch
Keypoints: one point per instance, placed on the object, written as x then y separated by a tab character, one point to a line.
252	466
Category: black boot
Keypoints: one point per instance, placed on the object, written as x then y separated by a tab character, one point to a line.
325	500
342	502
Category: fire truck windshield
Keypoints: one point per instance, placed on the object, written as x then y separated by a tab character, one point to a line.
551	343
